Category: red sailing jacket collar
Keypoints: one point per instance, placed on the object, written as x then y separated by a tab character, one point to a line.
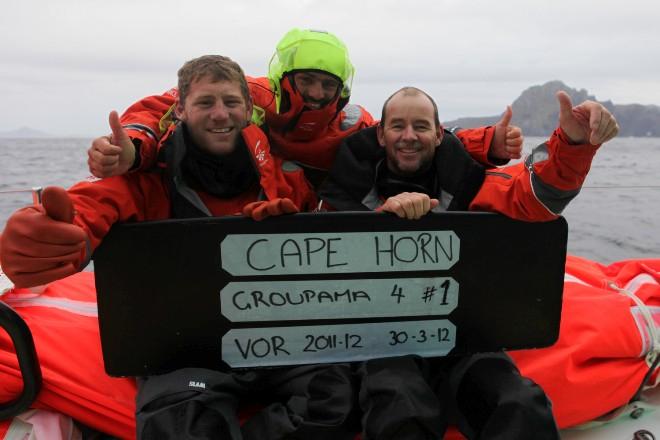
255	141
257	145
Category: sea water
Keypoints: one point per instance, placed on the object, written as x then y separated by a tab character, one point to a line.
616	216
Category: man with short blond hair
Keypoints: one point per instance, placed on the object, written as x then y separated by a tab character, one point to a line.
215	163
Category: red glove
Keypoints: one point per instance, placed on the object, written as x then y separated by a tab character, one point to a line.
269	208
39	243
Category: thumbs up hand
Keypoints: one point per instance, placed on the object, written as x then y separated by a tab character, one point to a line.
40	244
111	155
588	122
508	140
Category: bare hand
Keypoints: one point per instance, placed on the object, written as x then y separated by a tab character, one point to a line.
409	205
588	122
111	155
508	140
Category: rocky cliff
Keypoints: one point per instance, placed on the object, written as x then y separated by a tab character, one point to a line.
536	111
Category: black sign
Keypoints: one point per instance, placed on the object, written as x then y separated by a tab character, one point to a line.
333	287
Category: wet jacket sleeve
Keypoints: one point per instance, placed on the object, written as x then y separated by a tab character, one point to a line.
477	143
294	186
365	119
539	188
102	203
146	121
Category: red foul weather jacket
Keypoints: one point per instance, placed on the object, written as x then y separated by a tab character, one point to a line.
63	319
149	195
537	189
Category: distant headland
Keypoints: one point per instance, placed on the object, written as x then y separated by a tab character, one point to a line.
536	112
24	132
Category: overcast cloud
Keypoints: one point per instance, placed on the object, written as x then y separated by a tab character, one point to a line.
64	65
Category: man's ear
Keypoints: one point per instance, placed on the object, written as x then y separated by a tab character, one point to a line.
380	133
179	110
249	108
439	132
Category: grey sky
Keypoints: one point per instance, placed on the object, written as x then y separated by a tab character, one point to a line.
64	65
